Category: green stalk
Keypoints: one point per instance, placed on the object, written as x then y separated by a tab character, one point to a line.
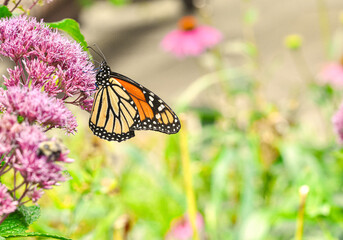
301	212
187	179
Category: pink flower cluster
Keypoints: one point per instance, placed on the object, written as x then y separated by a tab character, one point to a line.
46	60
49	70
37	106
19	144
7	205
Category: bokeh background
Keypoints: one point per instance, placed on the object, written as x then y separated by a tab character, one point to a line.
257	125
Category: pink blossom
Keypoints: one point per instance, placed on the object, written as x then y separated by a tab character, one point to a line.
24	139
48	70
35	105
190	39
9	130
46	60
7	204
332	74
181	228
35	194
36	170
337	121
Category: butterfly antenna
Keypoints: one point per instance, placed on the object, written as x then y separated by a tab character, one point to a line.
99	52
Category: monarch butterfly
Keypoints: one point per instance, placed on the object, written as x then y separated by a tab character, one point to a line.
122	105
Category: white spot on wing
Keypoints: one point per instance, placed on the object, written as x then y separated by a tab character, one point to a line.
160	108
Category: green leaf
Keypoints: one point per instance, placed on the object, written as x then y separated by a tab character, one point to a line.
118	2
20	119
36	234
4	12
71	27
19	221
86	3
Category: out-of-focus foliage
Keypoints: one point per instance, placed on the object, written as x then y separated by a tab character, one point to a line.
87	3
249	157
248	164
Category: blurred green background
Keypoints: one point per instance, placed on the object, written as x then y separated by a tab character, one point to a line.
256	124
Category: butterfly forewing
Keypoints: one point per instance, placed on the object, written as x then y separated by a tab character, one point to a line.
113	113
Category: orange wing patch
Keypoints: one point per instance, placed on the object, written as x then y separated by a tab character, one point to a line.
145	111
133	90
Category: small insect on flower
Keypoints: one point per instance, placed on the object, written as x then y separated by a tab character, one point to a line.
52	149
122	105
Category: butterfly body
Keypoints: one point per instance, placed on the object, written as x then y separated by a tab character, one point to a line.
122	106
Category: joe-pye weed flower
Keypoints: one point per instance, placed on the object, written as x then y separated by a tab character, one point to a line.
49	71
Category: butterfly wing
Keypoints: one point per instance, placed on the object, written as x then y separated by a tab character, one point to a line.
113	113
122	105
154	113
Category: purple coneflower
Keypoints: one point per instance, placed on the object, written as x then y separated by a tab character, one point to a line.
190	39
46	60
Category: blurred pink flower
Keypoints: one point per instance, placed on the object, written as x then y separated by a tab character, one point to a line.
181	228
7	204
46	60
337	121
190	39
332	74
35	105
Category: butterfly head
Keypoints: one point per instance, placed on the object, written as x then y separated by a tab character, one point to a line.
103	74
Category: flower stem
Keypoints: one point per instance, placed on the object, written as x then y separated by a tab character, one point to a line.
3	218
16	5
300	219
24	194
33	4
14	183
3	169
187	178
17	187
